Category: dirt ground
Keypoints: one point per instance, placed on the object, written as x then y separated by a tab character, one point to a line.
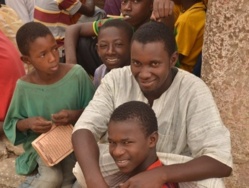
4	186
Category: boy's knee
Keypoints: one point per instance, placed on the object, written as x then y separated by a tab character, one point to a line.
48	176
48	180
55	177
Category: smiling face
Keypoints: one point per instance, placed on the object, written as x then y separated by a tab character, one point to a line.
136	12
43	55
113	47
129	146
151	66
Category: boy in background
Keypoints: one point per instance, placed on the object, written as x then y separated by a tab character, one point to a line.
80	46
113	47
40	98
132	136
189	31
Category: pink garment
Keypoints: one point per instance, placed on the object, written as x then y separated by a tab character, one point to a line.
11	69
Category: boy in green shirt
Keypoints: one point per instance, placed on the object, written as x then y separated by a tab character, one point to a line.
52	92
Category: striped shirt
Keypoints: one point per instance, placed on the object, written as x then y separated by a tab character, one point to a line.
189	123
56	15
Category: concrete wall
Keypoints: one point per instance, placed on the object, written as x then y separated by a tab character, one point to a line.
226	71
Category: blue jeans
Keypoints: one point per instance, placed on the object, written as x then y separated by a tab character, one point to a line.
58	176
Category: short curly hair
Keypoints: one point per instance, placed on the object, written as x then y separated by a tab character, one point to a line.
28	33
137	110
156	32
120	24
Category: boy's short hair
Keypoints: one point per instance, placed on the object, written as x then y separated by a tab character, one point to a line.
138	111
120	24
156	32
28	33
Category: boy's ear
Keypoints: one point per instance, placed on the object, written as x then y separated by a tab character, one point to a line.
153	139
25	59
173	59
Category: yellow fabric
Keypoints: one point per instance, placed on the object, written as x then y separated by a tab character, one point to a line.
9	22
189	34
176	11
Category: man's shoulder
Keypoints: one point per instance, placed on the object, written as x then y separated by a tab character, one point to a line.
186	76
188	81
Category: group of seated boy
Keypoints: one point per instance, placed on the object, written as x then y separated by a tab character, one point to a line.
141	122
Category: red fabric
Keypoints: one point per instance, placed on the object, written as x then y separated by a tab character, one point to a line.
11	69
67	4
49	18
156	164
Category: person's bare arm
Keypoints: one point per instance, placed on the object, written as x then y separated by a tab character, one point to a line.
87	154
73	32
87	8
163	12
162	9
200	168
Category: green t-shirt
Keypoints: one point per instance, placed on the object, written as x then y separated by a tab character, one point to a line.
73	91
